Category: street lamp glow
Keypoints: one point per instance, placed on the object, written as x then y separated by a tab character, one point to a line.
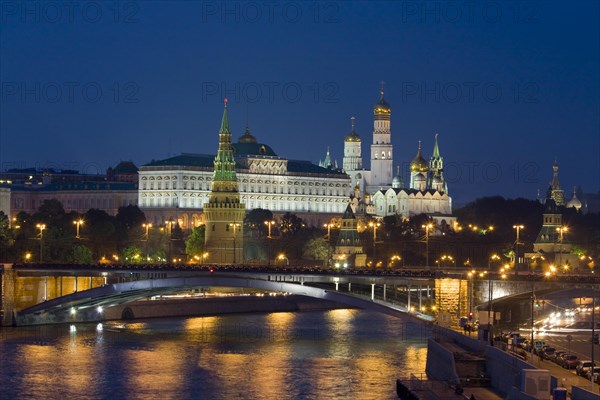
427	228
269	224
518	228
41	227
77	224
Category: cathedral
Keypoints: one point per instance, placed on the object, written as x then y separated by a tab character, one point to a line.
386	194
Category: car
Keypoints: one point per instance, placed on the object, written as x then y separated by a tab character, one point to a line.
583	366
547	352
555	356
593	373
569	361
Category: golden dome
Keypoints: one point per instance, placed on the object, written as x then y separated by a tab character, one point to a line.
382	107
352	136
418	164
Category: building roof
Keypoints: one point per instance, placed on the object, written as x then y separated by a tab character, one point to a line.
308	167
125	167
252	149
79	186
206	161
185	160
348	214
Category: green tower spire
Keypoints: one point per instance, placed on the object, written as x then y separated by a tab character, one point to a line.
224	177
436	149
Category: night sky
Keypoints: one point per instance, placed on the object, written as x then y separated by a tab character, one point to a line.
508	86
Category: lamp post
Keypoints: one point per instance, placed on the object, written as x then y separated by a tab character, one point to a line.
493	257
374	225
328	226
234	226
269	224
41	227
169	224
518	228
77	224
283	257
561	231
147	226
427	228
470	276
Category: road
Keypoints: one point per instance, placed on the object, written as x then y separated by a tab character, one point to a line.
580	344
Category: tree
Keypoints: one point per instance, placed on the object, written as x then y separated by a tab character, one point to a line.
255	220
290	224
81	255
194	245
130	216
317	249
6	237
131	255
50	210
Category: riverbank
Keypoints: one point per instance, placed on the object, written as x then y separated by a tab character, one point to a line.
209	306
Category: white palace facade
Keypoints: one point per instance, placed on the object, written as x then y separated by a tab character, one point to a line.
178	187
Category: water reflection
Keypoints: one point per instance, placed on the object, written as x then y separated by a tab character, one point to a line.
332	354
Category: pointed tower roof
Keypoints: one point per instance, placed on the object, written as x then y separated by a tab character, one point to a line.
327	161
349	214
225	120
436	149
555	183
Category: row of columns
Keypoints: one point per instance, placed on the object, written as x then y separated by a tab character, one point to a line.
409	290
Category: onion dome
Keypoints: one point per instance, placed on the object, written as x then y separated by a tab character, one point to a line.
353	136
436	180
574	202
419	178
397	181
382	106
247	137
418	164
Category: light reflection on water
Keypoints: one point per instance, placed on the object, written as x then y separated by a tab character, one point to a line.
333	354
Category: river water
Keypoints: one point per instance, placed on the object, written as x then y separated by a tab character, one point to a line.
338	354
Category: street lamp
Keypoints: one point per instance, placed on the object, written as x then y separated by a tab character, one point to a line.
77	224
493	257
269	224
427	228
374	225
234	225
283	257
41	227
329	226
147	226
561	231
518	228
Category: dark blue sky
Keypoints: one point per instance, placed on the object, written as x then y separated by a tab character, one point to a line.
508	87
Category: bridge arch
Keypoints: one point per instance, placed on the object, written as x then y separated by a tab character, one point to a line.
83	306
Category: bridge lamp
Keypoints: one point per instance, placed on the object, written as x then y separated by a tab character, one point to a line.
27	257
100	309
73	311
